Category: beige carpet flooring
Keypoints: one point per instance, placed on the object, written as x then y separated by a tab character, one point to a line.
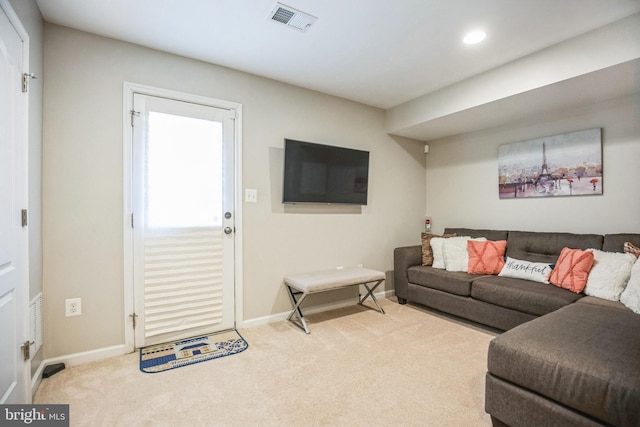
410	367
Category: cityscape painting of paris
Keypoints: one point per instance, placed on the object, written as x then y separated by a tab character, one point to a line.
568	164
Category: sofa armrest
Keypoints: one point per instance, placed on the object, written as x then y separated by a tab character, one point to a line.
403	258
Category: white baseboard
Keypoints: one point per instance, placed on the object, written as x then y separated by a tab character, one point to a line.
278	317
36	379
77	359
88	356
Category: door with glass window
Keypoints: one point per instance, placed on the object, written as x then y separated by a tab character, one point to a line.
183	219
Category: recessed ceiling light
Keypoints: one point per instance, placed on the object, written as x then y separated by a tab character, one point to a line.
474	37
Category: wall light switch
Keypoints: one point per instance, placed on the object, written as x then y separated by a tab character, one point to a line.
250	195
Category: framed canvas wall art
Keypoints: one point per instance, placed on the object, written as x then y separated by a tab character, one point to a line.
568	164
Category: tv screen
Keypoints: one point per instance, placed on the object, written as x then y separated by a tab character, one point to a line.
317	173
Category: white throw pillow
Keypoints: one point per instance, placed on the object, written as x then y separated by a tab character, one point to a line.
437	246
520	269
609	275
456	255
631	295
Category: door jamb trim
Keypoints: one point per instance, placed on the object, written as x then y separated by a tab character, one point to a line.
129	89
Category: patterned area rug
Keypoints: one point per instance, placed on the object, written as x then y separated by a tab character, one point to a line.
162	357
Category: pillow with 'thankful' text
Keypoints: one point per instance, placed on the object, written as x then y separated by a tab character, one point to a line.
520	269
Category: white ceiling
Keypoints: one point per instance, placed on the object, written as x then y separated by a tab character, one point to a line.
378	52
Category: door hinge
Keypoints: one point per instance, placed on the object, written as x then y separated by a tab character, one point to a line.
133	319
134	114
25	217
131	219
26	349
25	80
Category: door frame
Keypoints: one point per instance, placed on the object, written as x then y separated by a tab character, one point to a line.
22	296
129	89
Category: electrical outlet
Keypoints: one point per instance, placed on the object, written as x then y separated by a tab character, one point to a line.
427	224
73	307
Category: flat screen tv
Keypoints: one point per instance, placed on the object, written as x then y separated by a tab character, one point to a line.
317	173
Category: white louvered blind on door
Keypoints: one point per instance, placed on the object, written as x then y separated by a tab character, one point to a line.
182	279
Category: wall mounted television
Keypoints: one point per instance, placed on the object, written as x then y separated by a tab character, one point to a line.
324	174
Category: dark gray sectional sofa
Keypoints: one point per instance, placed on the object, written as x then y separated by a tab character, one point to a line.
566	359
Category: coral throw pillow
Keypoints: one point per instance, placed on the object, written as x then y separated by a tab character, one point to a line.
486	257
572	269
427	252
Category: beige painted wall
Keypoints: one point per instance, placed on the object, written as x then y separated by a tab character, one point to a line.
83	182
462	175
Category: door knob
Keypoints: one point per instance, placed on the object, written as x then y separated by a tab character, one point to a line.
228	230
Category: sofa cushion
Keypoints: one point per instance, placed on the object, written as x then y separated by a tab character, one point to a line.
615	242
475	233
521	295
453	282
555	356
545	247
602	303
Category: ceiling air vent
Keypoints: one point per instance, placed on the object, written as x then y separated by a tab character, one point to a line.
291	17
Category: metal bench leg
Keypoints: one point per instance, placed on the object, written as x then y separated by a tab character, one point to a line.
373	297
297	310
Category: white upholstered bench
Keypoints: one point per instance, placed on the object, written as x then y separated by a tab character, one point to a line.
304	284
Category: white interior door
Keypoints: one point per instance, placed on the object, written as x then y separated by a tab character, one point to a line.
184	221
14	370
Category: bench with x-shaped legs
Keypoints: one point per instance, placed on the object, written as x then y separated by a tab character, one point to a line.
303	284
